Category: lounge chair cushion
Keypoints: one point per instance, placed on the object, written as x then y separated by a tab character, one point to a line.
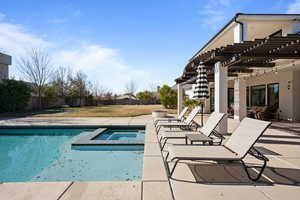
194	152
245	136
177	134
211	123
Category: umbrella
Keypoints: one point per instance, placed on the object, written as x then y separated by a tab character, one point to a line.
201	88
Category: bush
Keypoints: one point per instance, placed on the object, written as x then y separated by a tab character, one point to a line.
168	97
14	95
190	102
145	96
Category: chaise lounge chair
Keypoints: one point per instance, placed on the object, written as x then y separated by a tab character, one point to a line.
235	149
179	118
185	124
205	132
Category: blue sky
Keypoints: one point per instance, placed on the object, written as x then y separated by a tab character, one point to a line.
116	41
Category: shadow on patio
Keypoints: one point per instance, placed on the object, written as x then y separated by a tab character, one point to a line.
234	174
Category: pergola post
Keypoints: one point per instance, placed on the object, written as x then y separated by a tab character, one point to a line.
221	94
240	109
179	98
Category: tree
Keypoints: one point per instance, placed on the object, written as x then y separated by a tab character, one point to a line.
168	97
130	87
60	80
145	96
14	95
36	68
81	83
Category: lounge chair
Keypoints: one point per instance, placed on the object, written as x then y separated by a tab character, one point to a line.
235	149
206	131
185	124
179	118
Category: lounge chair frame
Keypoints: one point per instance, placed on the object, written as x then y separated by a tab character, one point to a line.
214	132
252	151
176	119
183	126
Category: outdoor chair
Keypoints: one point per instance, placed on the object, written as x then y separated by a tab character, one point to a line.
235	149
205	132
185	124
179	118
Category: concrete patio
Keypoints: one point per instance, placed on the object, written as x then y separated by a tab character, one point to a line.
191	180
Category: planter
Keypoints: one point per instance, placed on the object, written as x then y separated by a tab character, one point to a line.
159	113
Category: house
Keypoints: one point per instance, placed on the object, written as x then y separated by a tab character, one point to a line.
5	61
126	97
254	60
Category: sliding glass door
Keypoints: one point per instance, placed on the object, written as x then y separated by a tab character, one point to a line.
258	95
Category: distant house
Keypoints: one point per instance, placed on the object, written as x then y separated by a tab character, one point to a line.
126	97
5	61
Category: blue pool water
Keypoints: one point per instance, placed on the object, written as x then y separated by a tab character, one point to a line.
28	155
121	134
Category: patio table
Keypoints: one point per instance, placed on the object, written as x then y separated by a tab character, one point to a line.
197	138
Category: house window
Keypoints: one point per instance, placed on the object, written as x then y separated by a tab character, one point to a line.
273	95
248	96
212	99
230	97
258	95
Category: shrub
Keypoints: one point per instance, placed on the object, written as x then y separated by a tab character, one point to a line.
190	102
168	97
14	95
145	96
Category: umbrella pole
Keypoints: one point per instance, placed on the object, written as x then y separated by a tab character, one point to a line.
202	114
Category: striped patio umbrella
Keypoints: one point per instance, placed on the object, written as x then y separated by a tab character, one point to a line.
201	88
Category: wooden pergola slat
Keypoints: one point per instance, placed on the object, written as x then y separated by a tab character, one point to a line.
258	53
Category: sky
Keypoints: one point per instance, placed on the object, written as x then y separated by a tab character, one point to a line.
114	42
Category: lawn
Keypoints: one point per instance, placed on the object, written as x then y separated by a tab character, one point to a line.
108	111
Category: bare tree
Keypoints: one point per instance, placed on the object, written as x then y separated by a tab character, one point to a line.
81	83
36	68
131	87
60	79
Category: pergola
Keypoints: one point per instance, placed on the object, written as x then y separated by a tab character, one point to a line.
243	57
234	60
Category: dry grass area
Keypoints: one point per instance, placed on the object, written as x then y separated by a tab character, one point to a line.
108	111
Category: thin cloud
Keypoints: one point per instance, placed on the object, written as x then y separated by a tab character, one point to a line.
215	13
101	64
2	16
104	65
294	7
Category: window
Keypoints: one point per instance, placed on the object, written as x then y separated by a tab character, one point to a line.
258	95
230	97
212	99
248	96
273	95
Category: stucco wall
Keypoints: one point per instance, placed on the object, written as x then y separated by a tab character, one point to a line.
296	89
285	92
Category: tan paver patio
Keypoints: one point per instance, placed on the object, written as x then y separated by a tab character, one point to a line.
191	180
208	180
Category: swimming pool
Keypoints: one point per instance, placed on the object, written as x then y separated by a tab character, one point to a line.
37	155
